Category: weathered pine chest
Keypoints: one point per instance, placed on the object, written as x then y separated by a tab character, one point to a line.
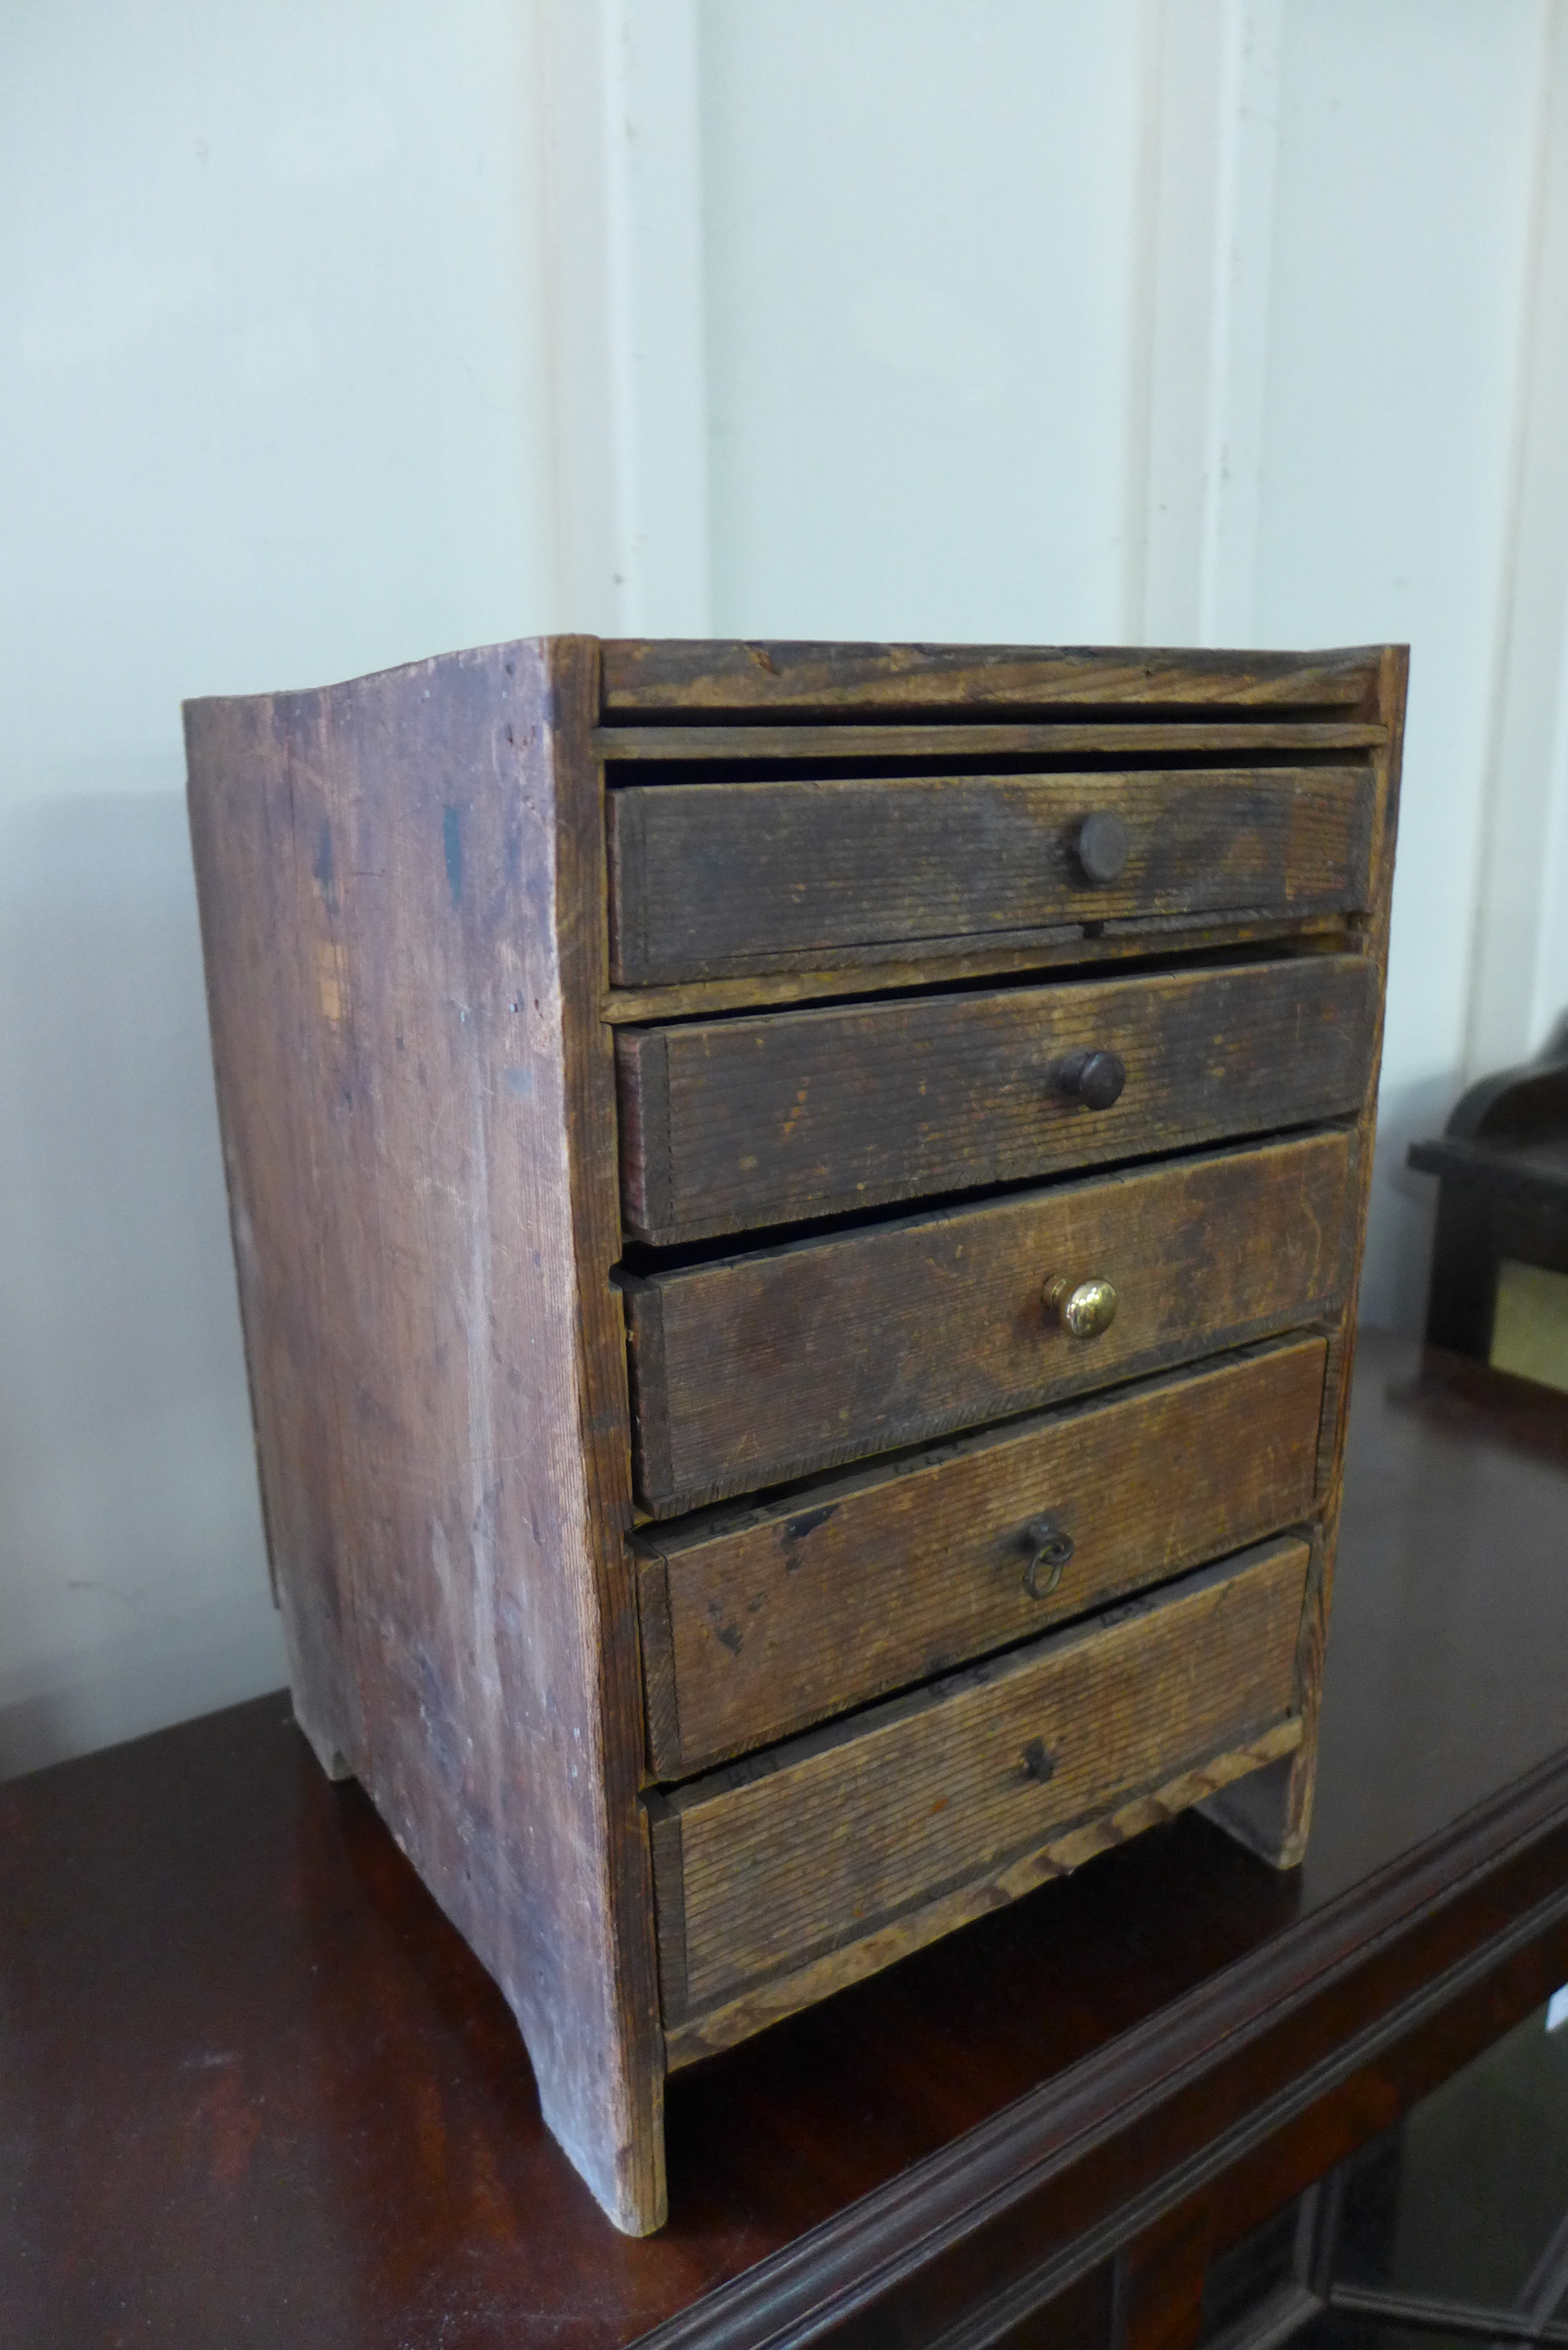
798	1210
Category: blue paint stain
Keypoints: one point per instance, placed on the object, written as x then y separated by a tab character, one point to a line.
451	841
323	866
798	1529
519	1083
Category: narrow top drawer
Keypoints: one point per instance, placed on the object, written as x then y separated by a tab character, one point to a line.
706	678
711	880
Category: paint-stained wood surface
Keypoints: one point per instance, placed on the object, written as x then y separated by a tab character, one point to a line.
411	1077
709	879
763	1865
764	1367
800	680
732	1123
757	1623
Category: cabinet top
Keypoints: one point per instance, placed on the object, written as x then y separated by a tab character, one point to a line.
710	679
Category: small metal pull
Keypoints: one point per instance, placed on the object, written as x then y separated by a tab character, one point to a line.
1084	1309
1093	1078
1036	1763
1050	1547
1103	844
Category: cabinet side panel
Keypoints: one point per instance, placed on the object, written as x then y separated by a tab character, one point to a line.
481	1482
259	998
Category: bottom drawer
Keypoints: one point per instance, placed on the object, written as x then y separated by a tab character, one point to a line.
990	1780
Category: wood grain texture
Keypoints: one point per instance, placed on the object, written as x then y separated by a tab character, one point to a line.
1272	1814
835	1835
1075	948
419	1131
768	2002
757	1623
800	680
767	1365
713	878
673	746
264	991
1156	2300
731	1124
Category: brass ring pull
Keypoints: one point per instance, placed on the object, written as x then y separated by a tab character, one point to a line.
1050	1547
1085	1309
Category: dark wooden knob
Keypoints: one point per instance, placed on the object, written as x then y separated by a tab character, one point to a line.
1049	1546
1094	1078
1103	845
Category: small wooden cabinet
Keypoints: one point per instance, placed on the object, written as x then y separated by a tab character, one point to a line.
798	1212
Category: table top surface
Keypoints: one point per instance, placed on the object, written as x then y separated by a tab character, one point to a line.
255	2089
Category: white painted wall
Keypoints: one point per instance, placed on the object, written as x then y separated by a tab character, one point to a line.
337	333
273	409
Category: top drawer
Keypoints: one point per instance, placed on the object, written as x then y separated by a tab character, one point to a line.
710	880
704	678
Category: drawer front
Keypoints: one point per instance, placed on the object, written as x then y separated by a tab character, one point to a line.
706	678
732	1123
712	880
766	1366
751	1629
760	1867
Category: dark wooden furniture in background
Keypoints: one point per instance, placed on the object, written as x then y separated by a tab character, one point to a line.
255	2089
1502	1163
798	1212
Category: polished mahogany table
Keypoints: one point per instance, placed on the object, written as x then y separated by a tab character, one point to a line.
255	2090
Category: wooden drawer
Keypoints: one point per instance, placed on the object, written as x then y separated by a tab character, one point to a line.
987	1776
716	879
694	678
732	1123
760	1368
755	1626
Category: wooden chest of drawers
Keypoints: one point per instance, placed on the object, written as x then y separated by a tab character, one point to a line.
797	1211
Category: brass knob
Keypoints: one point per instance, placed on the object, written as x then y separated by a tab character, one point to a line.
1103	845
1084	1308
1049	1546
1094	1078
